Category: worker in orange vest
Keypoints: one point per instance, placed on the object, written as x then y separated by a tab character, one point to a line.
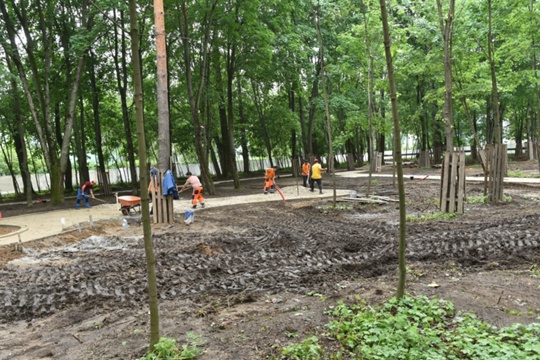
306	168
269	176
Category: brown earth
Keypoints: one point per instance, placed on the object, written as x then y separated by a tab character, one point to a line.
252	278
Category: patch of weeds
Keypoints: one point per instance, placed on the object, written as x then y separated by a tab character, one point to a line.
292	334
415	274
422	328
166	349
477	199
338	208
483	199
374	182
320	296
431	217
535	271
518	173
513	312
309	349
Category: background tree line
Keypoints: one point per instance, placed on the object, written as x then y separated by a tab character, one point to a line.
245	79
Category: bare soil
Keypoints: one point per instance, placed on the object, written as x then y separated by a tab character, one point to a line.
252	278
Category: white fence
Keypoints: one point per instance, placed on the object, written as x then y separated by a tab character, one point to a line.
41	182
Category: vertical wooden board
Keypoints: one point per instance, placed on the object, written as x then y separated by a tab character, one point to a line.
490	157
499	172
444	182
461	184
154	212
453	177
502	173
170	209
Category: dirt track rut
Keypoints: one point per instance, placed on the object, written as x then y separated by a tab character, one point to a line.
251	250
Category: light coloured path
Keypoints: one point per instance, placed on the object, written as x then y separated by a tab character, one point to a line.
512	180
40	225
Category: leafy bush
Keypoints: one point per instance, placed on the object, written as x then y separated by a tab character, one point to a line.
419	328
166	349
309	349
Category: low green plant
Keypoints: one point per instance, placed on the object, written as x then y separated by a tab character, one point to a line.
166	349
417	328
337	207
477	199
518	173
535	271
309	349
431	217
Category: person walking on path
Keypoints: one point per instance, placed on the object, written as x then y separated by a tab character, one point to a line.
269	176
84	191
306	168
316	176
196	185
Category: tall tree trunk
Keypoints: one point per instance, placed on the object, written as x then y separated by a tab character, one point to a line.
231	70
326	106
262	120
120	66
145	206
497	134
397	152
164	140
20	142
195	99
243	133
104	186
446	30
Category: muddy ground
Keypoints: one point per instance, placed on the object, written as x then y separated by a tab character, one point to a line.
250	279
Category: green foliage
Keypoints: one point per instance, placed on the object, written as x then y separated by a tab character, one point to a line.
422	328
309	349
477	199
518	173
431	217
166	349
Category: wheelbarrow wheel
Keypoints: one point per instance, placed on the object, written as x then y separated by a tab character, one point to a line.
125	211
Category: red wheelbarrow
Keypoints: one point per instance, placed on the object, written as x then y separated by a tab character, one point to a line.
129	203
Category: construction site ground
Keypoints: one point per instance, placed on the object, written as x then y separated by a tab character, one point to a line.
253	269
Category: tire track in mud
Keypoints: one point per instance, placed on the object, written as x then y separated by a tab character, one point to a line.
305	251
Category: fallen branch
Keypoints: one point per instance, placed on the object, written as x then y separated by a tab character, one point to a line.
77	337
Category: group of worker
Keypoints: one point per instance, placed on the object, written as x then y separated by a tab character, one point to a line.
311	174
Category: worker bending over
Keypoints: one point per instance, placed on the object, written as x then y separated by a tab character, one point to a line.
196	195
269	184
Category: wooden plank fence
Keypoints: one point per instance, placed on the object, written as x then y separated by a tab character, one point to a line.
162	205
497	163
453	183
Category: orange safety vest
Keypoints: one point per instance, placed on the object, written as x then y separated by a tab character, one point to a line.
305	169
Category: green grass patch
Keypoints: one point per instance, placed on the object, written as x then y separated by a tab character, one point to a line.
518	173
431	217
415	328
166	349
